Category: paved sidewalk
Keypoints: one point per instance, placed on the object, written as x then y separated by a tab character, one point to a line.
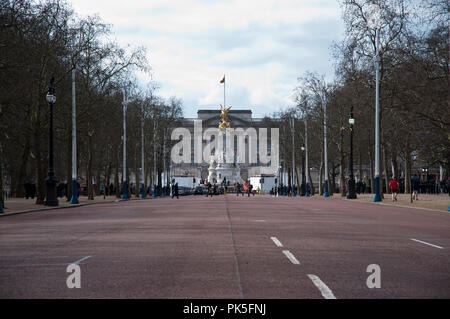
18	205
428	201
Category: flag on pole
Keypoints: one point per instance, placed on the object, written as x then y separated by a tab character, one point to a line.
223	80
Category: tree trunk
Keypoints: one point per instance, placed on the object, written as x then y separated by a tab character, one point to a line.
342	181
89	169
2	194
137	177
128	180
321	191
385	169
407	168
289	176
332	186
116	175
311	184
98	182
69	163
372	170
360	164
20	177
394	162
40	167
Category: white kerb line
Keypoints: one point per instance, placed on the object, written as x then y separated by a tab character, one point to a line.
80	260
423	242
276	241
324	290
291	257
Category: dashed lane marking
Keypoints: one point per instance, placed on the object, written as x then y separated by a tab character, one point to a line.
276	241
324	290
291	257
425	243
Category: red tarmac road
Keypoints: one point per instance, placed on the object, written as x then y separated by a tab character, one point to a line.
226	247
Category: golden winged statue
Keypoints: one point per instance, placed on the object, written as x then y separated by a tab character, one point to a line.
223	115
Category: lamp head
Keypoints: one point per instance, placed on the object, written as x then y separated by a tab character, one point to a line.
51	97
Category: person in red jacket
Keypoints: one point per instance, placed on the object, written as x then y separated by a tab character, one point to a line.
393	184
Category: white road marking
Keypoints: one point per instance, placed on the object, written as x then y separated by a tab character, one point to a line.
32	265
419	241
260	220
276	241
324	290
291	257
46	265
80	260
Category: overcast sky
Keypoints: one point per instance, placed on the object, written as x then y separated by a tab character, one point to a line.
262	46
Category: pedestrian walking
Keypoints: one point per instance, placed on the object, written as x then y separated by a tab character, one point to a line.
393	184
175	191
209	188
415	184
33	190
27	187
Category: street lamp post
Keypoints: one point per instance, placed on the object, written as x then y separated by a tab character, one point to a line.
293	156
307	194
373	21
377	197
74	199
326	193
302	186
124	174
51	198
351	194
142	153
155	174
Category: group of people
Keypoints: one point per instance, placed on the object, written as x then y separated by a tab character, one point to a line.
281	190
415	187
244	188
211	189
30	190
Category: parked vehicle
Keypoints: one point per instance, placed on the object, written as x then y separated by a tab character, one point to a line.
199	190
184	191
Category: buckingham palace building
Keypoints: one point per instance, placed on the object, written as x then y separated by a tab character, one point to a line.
208	120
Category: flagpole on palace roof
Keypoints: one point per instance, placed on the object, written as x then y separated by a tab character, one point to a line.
224	84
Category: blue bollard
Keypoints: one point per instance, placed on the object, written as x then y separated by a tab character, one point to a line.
326	194
377	197
124	193
74	199
142	191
